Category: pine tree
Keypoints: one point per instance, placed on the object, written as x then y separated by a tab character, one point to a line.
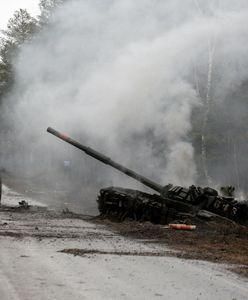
20	28
47	8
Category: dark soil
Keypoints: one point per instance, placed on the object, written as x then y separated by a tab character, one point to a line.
219	240
83	252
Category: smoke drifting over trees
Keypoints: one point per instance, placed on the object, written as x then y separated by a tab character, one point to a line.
159	85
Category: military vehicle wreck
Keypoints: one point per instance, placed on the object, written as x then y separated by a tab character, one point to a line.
172	203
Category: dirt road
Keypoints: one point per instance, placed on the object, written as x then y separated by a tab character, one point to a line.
96	263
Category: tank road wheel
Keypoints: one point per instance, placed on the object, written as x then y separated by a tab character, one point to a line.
123	216
126	203
134	216
171	215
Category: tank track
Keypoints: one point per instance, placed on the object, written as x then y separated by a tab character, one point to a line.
123	203
180	203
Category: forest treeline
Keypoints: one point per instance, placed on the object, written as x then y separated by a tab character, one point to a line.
220	129
21	28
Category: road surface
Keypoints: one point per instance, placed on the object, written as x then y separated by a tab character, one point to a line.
112	267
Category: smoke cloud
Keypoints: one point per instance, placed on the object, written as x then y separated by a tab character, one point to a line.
122	76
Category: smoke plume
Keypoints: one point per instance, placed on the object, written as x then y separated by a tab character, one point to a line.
123	76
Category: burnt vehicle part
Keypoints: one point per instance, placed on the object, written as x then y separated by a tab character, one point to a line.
174	202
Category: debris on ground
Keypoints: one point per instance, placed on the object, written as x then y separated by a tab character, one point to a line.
24	204
182	226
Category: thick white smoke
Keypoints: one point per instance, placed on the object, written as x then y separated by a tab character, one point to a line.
121	76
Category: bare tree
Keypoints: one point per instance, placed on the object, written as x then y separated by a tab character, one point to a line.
207	98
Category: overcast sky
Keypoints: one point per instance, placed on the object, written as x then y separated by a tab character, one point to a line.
7	8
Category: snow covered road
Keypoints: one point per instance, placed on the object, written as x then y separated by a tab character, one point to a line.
31	266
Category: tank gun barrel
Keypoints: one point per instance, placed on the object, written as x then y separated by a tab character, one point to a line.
106	160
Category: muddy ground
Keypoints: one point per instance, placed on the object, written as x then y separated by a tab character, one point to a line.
219	240
215	241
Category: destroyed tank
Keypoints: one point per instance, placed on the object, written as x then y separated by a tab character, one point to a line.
171	202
